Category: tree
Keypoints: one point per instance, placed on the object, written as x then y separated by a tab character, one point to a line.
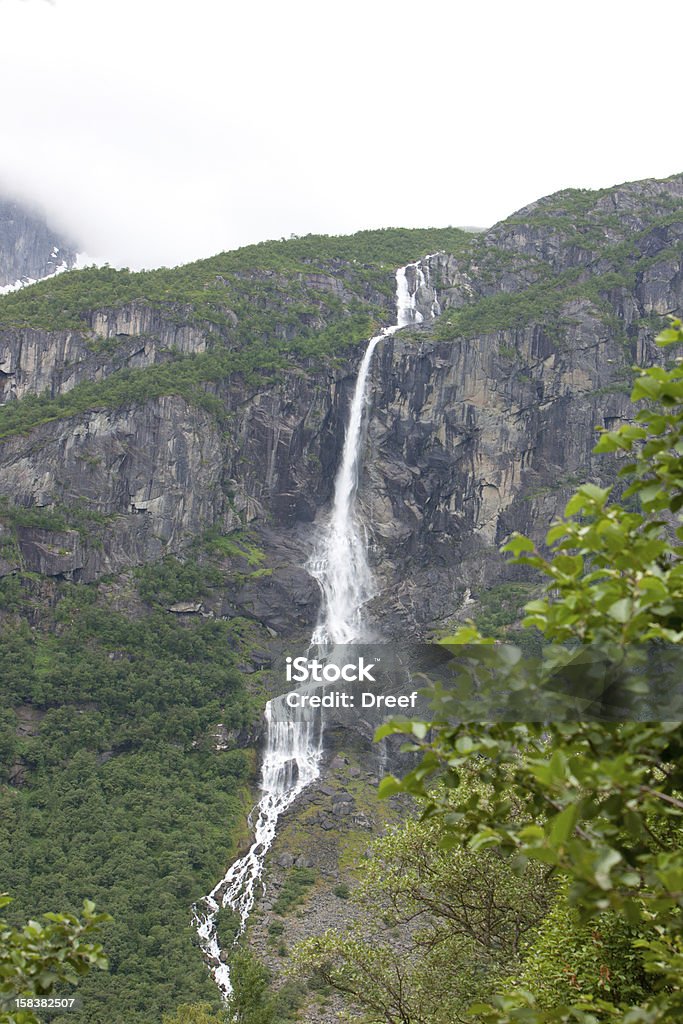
603	801
568	960
37	958
436	927
249	1001
252	1000
195	1013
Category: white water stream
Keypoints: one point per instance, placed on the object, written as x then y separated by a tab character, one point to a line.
293	749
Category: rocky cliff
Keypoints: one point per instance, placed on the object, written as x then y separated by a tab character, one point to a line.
29	248
483	418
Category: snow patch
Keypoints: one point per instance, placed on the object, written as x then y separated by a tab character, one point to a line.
82	260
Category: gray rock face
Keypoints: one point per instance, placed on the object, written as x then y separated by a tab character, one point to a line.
154	470
473	439
573	235
29	248
471	435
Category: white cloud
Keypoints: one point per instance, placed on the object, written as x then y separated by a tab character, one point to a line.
161	131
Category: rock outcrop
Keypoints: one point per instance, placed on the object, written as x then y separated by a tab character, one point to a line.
29	248
133	337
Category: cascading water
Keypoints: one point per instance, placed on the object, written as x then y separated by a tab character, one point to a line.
341	565
407	297
290	762
293	748
435	309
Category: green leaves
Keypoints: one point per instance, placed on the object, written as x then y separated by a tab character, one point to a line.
588	498
621	610
389	786
562	825
517	544
36	958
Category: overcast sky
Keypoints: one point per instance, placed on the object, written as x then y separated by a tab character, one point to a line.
160	131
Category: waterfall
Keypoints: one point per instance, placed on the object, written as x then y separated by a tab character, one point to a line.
341	565
293	748
435	309
290	762
407	297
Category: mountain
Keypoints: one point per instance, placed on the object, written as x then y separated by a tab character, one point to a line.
30	249
168	448
214	396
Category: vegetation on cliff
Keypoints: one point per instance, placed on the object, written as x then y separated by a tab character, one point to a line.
259	307
311	298
260	283
610	266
